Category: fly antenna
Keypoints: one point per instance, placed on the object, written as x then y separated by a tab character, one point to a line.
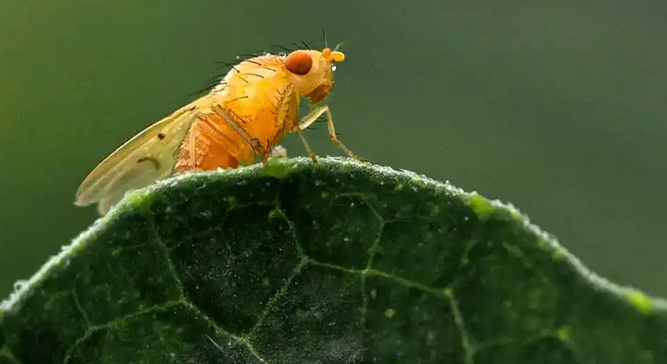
338	45
324	37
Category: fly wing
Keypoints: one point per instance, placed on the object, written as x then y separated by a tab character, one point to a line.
147	157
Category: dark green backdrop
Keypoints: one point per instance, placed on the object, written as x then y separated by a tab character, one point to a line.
559	109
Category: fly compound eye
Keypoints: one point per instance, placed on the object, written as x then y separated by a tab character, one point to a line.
299	63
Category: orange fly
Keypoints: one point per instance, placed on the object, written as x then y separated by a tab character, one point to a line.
246	115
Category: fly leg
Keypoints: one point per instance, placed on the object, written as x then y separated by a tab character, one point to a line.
210	127
303	124
255	144
307	120
305	144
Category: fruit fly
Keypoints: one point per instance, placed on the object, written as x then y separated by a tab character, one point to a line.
244	116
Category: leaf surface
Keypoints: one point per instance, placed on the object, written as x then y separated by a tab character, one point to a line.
337	262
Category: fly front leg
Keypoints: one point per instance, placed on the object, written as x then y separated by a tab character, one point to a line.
303	124
310	119
311	154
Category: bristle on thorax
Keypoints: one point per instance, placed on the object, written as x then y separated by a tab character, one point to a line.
250	70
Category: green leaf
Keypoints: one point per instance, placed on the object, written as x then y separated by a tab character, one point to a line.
338	262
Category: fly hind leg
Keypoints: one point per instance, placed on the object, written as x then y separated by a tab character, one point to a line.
309	119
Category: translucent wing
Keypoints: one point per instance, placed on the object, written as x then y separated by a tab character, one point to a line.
147	157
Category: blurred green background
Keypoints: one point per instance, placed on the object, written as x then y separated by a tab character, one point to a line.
556	107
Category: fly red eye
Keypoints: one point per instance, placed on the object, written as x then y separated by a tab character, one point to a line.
299	63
